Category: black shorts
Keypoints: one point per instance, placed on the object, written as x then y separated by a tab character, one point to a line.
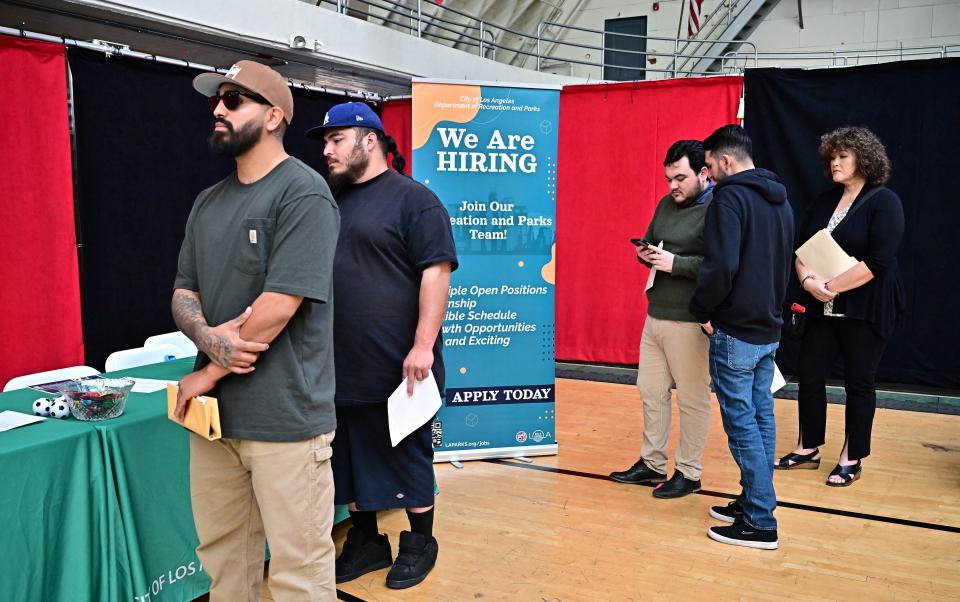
368	471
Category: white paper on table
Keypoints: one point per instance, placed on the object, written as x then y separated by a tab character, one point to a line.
407	413
824	256
779	381
11	420
653	273
149	385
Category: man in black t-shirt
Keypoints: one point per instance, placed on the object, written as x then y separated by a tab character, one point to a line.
391	279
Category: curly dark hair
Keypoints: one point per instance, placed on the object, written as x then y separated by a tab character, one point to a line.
872	161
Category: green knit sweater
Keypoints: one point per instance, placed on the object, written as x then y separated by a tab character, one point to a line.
681	230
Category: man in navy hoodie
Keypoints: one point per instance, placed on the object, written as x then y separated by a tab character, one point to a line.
748	235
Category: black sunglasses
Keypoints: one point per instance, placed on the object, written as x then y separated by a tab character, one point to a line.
231	99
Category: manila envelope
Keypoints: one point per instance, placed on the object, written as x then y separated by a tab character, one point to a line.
824	256
202	417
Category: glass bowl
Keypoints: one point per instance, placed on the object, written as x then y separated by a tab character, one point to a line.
97	398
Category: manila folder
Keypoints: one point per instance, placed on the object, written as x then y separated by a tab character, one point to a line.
824	256
202	417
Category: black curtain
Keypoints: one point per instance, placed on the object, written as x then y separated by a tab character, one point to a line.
141	159
913	107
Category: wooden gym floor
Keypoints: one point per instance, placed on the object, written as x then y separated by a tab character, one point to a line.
558	530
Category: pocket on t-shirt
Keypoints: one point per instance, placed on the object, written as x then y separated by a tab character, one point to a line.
257	233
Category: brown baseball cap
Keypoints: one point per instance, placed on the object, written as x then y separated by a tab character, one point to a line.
254	77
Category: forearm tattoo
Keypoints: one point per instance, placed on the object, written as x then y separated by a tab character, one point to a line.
188	316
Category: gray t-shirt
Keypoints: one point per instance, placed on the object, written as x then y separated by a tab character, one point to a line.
278	234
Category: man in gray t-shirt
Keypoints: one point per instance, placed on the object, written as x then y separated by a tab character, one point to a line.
269	236
256	261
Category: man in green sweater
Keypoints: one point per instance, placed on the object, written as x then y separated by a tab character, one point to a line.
672	347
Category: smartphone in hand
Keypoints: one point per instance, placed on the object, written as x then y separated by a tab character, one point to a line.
640	243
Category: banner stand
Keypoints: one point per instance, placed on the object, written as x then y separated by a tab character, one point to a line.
499	452
489	152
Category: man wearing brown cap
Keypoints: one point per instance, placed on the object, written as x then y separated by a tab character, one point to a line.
256	263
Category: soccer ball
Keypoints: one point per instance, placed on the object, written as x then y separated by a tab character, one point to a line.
42	406
59	407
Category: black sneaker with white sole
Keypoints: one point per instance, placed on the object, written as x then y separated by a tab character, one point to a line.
730	513
742	534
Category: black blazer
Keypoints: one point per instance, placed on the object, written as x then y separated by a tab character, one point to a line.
872	235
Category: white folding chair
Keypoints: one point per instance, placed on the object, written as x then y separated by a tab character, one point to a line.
50	376
175	338
140	356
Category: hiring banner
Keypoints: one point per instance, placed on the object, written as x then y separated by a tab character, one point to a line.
489	152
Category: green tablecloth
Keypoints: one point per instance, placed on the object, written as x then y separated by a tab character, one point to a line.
101	510
57	539
148	459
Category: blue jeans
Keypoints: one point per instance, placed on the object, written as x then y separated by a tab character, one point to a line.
742	374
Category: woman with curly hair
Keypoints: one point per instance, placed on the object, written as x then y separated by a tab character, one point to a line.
854	313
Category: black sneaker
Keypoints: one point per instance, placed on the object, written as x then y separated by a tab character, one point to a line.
742	534
360	555
730	513
677	486
639	474
417	556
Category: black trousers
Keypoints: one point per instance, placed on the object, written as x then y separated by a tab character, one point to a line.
861	348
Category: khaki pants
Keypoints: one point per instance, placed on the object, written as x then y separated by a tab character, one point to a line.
245	490
674	352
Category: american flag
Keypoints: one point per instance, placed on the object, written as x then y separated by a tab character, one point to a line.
693	22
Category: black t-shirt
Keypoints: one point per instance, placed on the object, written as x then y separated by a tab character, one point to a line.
391	229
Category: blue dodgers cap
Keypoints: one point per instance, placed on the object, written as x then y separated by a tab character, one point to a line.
347	115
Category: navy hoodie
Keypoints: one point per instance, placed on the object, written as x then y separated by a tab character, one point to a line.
748	234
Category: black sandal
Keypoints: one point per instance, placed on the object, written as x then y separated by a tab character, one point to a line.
792	460
849	474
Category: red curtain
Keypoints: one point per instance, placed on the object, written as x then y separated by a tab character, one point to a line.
396	116
40	300
612	141
613	138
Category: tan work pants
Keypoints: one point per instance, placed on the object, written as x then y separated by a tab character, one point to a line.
674	352
245	490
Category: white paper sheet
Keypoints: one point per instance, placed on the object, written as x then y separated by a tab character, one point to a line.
779	381
824	256
653	273
149	385
406	414
11	420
